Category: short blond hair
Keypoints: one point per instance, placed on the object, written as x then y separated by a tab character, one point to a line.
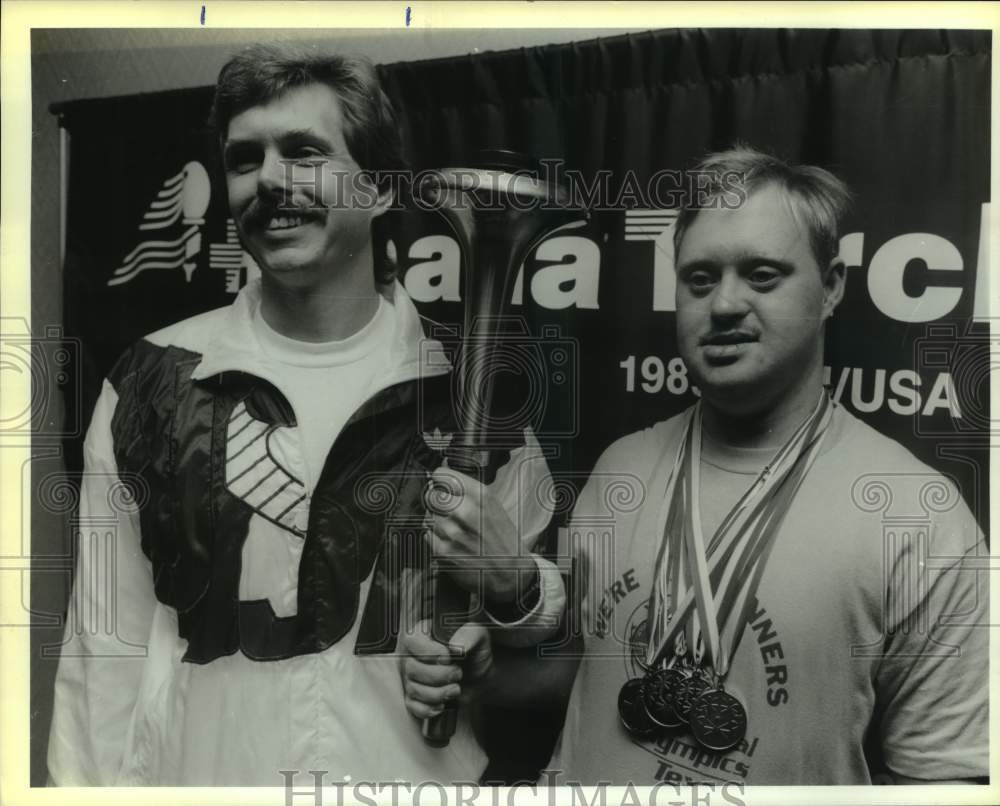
818	198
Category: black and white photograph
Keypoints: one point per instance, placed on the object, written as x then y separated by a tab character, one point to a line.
408	410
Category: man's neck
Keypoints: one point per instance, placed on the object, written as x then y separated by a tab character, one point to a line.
332	310
769	428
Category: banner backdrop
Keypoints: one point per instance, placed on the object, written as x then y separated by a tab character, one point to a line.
902	116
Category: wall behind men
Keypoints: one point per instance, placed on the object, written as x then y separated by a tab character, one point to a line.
77	64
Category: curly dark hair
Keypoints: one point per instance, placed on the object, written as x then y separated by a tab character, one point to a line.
261	73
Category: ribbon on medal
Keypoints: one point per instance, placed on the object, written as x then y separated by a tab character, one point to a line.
718	583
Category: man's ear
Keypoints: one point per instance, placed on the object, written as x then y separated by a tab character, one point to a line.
382	199
385	200
833	286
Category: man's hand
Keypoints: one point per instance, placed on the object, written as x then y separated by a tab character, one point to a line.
434	674
468	526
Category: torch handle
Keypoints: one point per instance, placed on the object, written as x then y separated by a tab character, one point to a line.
496	231
449	600
438	730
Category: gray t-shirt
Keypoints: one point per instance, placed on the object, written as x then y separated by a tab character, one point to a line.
867	616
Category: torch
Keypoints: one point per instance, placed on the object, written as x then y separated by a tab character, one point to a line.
499	209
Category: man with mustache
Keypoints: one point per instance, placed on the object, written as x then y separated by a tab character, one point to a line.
768	591
272	449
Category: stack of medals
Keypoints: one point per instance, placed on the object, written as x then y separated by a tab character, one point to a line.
701	599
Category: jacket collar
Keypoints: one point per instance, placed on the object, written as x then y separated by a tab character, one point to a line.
233	345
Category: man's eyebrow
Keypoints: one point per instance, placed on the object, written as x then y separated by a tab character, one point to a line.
697	265
744	260
292	136
750	259
236	143
305	136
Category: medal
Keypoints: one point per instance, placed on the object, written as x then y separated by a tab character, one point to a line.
705	590
659	689
632	711
686	694
718	720
637	647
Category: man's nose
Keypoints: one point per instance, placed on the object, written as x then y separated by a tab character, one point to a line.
271	179
730	299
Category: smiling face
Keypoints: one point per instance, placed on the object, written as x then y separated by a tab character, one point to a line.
299	199
752	302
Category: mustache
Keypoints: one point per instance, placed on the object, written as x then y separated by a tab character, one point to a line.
260	211
734	336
